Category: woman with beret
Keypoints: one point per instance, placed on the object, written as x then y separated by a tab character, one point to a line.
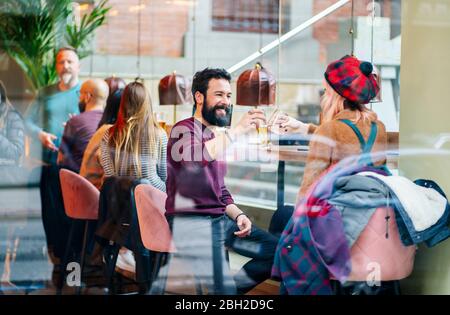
347	127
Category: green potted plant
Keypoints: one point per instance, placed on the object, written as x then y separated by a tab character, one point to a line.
32	31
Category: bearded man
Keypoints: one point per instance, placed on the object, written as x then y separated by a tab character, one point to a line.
55	104
45	121
200	209
80	128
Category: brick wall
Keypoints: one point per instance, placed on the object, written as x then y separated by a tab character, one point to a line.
163	25
326	31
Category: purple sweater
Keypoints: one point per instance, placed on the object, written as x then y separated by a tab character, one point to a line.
195	182
77	133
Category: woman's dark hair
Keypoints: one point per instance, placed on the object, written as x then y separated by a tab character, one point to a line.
112	108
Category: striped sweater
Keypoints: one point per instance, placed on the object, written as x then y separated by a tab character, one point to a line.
155	170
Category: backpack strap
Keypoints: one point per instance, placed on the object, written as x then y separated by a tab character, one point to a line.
372	136
366	147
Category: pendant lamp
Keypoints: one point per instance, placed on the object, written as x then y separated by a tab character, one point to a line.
256	87
174	89
115	83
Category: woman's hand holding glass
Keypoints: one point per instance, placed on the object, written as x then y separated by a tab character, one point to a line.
285	124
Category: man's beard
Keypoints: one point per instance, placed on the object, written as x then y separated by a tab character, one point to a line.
66	77
209	114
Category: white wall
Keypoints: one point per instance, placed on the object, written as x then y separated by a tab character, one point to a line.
424	115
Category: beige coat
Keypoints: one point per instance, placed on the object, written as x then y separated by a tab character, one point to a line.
334	141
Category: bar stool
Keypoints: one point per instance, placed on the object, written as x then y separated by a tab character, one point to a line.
81	200
379	248
154	229
156	234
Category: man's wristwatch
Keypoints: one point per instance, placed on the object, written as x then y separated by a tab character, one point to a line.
242	213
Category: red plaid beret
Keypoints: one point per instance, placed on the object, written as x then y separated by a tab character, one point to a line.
352	79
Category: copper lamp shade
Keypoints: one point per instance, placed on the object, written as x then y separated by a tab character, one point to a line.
174	89
115	84
256	87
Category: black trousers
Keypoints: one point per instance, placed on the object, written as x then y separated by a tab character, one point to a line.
201	243
56	223
260	246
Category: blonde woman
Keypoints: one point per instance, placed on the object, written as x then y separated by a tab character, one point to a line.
348	127
135	145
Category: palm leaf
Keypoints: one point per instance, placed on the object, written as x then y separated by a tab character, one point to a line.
79	36
32	30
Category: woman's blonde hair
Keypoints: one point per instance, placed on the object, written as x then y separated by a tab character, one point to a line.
135	124
332	103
